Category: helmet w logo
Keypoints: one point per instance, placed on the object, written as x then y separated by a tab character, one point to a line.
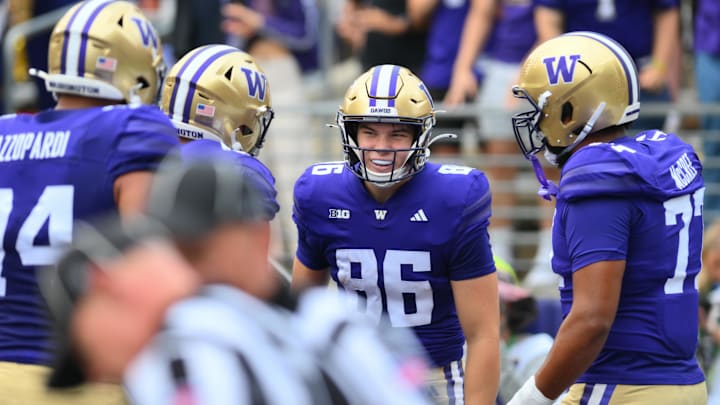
256	83
564	67
147	32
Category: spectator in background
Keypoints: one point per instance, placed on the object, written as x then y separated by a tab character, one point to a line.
274	29
521	353
510	25
282	37
381	33
707	81
648	29
709	287
197	23
37	47
444	20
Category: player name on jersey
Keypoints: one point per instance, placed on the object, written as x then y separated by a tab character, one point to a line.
683	172
33	145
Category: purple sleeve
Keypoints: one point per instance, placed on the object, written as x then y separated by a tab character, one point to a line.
597	230
470	254
295	24
147	137
310	247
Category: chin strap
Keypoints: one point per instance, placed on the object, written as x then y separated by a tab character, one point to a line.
548	189
134	98
234	143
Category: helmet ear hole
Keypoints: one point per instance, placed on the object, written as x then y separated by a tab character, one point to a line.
567	113
245	130
228	73
145	84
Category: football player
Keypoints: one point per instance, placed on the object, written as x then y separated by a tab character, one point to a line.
93	153
406	238
627	231
648	30
219	100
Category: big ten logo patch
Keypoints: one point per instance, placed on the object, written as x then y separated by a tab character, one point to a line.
338	213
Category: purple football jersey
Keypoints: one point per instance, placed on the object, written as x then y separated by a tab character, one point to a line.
637	199
59	166
630	22
443	42
397	258
258	173
707	23
513	32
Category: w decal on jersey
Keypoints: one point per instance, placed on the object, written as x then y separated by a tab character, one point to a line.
564	67
147	32
256	83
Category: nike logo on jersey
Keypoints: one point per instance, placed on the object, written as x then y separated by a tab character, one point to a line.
419	216
380	214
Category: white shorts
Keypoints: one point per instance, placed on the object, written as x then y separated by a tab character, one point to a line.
445	384
493	110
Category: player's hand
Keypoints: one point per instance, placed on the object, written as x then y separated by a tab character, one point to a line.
241	21
376	19
348	28
651	79
463	86
529	394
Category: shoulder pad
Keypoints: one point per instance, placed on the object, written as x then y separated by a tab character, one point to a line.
653	164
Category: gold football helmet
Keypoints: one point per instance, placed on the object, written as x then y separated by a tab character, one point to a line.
577	83
219	92
105	49
387	94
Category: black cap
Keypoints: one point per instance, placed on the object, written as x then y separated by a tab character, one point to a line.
191	199
187	200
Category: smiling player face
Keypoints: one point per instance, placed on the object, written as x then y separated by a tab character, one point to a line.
387	145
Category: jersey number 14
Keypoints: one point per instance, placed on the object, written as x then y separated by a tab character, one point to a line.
55	206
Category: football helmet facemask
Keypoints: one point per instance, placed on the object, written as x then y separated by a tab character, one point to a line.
577	83
219	92
105	49
387	94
